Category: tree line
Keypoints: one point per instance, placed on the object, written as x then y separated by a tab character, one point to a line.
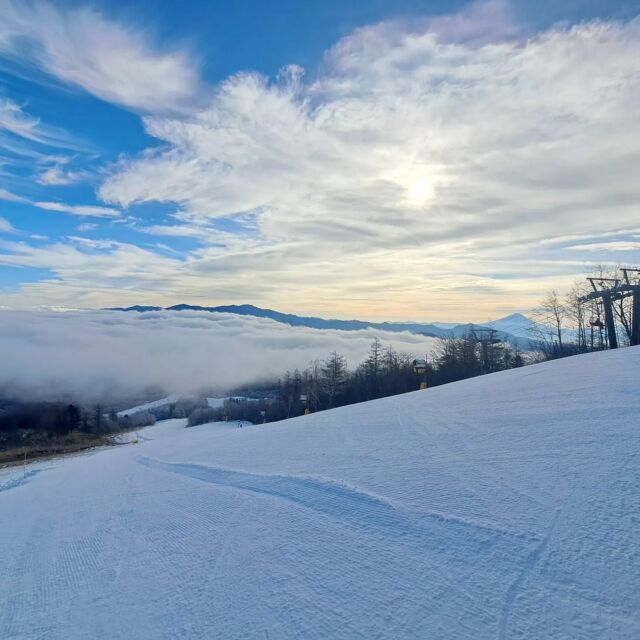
329	383
563	325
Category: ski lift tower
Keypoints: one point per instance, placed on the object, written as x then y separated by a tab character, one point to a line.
608	290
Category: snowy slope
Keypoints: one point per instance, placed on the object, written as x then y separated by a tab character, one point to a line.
154	404
500	507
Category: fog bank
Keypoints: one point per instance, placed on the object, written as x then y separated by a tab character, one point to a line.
90	354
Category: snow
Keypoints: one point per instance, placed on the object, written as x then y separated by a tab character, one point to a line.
154	404
500	507
217	403
214	403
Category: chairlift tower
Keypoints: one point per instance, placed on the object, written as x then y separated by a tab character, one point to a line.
608	290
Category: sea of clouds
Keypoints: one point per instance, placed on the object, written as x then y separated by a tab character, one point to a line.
94	354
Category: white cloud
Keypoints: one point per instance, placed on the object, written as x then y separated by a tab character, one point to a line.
606	246
57	175
27	144
94	353
87	226
76	210
479	23
421	160
177	230
11	197
81	47
79	210
14	120
6	226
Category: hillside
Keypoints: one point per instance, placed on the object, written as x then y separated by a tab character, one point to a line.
498	507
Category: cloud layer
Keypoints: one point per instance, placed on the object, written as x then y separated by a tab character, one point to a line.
92	354
414	147
420	172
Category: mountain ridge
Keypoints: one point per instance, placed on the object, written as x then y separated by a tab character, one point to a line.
517	321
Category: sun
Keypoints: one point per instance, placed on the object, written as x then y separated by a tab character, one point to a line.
418	183
420	191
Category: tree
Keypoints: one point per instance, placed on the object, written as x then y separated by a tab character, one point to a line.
333	377
311	386
98	419
576	313
550	319
73	417
372	369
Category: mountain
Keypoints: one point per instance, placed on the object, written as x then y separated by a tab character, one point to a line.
429	329
516	324
139	308
313	322
513	328
498	507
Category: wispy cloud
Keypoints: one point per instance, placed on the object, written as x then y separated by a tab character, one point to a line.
84	48
87	226
79	210
16	121
177	230
6	226
8	196
606	246
57	175
76	210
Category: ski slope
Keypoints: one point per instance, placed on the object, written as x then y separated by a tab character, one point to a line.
507	506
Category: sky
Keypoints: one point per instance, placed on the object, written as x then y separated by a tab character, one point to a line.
410	160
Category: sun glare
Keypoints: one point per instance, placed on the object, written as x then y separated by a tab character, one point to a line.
419	184
420	191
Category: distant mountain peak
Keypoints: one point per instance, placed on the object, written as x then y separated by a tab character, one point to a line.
514	316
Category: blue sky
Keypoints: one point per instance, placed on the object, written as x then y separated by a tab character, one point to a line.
373	159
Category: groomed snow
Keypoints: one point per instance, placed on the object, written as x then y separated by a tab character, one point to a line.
155	404
501	507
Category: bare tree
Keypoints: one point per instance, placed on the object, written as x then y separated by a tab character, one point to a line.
579	313
550	318
373	368
311	384
334	377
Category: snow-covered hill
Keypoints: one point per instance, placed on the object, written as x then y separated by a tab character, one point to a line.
500	507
